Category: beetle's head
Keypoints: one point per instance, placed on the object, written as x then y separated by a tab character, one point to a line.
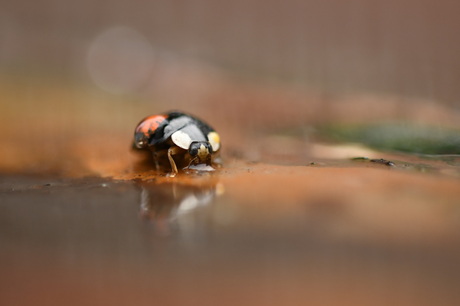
200	151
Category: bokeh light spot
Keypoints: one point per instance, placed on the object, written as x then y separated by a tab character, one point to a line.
120	60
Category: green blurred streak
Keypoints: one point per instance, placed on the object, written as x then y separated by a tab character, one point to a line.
398	137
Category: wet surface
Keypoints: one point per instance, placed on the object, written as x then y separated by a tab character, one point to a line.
369	235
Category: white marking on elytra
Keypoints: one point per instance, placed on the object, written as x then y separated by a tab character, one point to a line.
181	139
214	140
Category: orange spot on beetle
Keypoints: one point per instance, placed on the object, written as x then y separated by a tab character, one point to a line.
149	123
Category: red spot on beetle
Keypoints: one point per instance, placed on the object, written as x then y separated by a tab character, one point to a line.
150	124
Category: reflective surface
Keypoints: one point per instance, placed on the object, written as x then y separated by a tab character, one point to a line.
173	209
230	237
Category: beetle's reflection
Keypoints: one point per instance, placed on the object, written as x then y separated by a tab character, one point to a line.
172	206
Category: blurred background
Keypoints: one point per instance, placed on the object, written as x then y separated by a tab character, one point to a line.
399	47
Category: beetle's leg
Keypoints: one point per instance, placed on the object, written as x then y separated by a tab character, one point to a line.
171	151
155	159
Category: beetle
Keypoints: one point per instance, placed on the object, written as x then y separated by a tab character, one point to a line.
180	135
